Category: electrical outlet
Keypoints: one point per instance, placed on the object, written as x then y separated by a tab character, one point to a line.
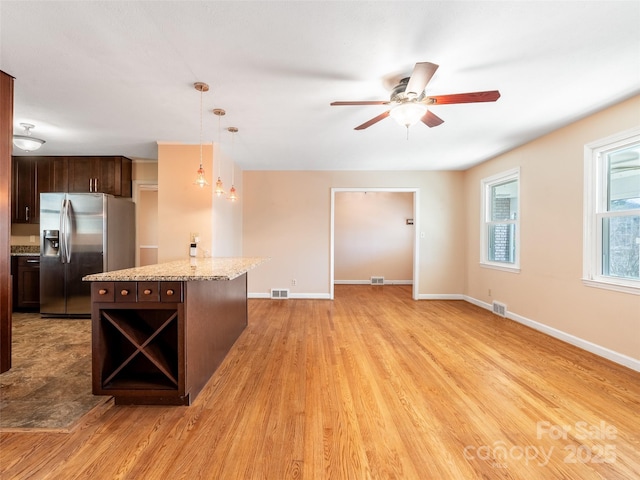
32	238
194	237
294	282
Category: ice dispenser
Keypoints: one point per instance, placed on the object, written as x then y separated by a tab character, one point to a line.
51	243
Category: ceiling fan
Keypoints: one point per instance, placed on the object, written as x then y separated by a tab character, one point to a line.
409	104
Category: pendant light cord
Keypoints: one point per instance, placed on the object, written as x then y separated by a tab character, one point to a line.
233	138
219	149
200	128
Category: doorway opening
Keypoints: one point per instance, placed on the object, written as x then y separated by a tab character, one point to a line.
398	243
146	200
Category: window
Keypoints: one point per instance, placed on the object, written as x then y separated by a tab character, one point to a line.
501	221
612	213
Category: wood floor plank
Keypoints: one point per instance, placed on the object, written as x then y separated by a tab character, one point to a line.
370	385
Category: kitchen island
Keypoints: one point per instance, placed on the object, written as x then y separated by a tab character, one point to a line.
159	332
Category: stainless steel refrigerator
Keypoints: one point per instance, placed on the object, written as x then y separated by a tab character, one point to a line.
81	234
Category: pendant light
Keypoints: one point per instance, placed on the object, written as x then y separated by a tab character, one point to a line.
219	187
26	142
201	181
232	191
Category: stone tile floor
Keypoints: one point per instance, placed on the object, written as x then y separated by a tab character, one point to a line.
49	384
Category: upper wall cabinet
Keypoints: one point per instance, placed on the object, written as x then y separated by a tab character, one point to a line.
35	175
110	175
31	177
23	203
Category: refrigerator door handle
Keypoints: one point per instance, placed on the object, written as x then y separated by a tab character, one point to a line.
67	231
62	239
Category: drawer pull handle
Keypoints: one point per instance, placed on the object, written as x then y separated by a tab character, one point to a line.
170	292
124	293
102	291
147	292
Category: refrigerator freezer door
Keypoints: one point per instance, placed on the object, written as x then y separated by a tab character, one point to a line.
52	284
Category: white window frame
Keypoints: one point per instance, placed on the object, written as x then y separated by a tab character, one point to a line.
485	220
595	188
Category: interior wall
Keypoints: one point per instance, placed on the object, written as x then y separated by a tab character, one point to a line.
147	227
287	216
227	215
183	207
548	288
372	237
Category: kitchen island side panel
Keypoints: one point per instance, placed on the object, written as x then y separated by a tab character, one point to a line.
216	315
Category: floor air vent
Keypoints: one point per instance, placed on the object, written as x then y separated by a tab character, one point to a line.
280	293
500	309
377	280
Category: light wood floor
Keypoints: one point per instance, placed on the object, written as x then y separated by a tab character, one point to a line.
371	385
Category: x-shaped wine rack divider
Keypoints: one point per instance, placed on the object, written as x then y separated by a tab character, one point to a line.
129	333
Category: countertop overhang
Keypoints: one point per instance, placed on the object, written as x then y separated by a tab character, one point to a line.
187	270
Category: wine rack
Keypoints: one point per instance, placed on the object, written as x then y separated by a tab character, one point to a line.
146	353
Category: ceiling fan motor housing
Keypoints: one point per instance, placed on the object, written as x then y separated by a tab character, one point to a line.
400	95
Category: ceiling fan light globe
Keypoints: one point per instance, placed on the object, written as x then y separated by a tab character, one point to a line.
407	114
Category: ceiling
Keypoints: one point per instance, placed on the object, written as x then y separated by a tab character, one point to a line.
115	78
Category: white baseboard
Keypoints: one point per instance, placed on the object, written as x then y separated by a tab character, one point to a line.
298	296
368	282
630	362
440	296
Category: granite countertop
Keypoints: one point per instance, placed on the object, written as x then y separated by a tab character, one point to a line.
25	250
188	270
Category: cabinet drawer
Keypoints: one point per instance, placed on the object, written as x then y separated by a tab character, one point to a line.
29	261
171	292
125	292
102	292
148	292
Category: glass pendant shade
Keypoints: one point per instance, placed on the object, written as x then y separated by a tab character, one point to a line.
407	114
232	194
201	181
219	188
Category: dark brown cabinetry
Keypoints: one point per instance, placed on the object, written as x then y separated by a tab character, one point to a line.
160	342
33	175
26	282
110	175
25	207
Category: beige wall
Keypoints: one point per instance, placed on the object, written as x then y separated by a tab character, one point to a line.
549	290
184	208
144	171
147	227
227	216
371	236
287	216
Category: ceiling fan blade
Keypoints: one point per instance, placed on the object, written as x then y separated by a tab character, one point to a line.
431	119
473	97
382	116
366	102
422	73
